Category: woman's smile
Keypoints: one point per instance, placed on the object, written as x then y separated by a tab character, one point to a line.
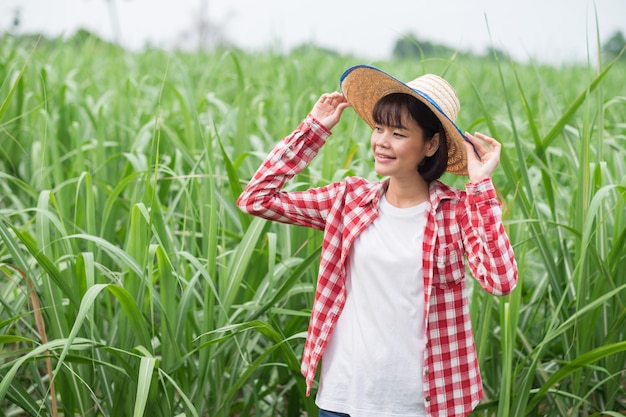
383	157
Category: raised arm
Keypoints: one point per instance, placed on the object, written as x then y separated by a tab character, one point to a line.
264	197
489	251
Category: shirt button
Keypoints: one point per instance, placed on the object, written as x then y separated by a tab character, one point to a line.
425	371
478	192
427	399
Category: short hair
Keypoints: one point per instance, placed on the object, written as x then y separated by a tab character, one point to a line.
389	111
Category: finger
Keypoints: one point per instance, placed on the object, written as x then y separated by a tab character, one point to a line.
340	103
478	144
339	98
495	147
334	95
329	96
491	141
473	155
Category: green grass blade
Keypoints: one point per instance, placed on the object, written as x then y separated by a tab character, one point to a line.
144	380
583	360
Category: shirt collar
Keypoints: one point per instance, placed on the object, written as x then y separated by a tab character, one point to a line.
375	192
438	191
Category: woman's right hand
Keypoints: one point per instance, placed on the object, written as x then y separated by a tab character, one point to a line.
328	109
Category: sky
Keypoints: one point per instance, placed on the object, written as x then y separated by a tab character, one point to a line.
550	31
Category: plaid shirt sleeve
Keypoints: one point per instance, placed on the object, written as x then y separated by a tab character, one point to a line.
489	251
263	196
464	223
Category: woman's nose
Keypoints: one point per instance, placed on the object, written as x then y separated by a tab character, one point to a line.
382	140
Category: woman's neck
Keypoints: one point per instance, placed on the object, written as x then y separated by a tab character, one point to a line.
408	193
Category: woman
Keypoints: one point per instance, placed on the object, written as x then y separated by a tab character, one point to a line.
390	321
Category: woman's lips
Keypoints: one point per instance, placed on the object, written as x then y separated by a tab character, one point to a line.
383	158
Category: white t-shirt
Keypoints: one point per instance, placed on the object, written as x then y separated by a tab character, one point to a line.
373	364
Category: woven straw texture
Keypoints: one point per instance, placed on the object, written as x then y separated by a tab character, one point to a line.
363	86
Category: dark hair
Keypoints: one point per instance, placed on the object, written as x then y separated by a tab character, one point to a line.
389	111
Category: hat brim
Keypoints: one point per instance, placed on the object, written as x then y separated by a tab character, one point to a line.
364	85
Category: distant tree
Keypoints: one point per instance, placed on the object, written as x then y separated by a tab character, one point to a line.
115	21
614	45
83	37
203	32
410	47
16	19
499	53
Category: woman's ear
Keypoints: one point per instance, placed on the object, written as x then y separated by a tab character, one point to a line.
432	145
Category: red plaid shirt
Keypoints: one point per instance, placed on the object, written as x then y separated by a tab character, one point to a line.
457	223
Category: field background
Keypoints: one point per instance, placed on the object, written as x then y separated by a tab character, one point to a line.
131	285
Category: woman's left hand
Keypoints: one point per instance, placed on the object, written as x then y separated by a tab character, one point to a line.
488	149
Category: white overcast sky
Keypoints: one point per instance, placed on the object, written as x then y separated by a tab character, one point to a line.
545	30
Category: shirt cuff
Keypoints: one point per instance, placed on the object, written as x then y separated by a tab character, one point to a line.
481	191
315	125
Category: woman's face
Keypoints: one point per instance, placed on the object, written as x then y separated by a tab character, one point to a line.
398	150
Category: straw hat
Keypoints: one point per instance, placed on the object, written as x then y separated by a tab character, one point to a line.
363	86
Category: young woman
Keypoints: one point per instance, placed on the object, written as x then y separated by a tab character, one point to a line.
390	322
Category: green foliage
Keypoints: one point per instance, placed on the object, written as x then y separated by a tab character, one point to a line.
409	47
130	284
614	47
